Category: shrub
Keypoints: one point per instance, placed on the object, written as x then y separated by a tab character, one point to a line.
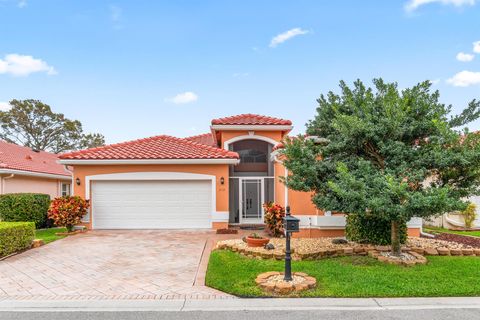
274	214
31	207
469	215
372	230
68	211
15	236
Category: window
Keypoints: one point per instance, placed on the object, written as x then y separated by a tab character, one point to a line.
65	189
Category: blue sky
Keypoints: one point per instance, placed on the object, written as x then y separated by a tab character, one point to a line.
132	69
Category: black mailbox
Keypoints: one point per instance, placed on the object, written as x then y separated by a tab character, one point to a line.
291	224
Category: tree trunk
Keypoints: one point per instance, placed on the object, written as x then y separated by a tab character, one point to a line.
396	248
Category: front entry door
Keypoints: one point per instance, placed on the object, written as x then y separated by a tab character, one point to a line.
251	200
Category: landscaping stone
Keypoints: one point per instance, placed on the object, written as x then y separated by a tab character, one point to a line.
274	283
37	243
431	252
319	248
443	251
456	252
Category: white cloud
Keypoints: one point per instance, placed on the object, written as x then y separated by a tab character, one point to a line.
465	57
282	37
182	98
22	3
465	79
22	65
435	81
5	106
476	47
412	5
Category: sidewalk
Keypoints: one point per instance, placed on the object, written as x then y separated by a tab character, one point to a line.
244	304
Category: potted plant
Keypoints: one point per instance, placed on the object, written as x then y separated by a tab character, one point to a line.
256	240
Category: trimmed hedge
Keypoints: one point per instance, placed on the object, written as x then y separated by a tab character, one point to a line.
16	207
371	230
15	236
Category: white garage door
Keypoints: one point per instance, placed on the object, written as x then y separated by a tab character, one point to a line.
162	204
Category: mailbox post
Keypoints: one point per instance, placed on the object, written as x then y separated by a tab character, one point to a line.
290	224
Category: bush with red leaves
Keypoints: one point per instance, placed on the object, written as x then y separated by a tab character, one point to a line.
68	211
274	214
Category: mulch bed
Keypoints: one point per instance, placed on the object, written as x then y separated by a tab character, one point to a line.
227	231
466	240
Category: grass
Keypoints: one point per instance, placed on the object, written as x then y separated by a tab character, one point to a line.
475	233
351	276
48	235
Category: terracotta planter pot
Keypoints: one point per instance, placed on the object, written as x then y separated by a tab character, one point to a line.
255	242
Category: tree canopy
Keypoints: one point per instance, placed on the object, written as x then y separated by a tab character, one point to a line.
386	153
33	124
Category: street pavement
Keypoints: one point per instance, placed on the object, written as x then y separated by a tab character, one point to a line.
430	314
233	309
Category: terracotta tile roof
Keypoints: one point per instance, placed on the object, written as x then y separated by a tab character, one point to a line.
206	138
251	119
17	157
154	148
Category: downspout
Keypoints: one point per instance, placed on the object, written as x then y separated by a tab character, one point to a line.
425	234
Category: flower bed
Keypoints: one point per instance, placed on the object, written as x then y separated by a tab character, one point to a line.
318	248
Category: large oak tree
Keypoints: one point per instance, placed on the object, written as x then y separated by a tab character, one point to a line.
33	124
387	154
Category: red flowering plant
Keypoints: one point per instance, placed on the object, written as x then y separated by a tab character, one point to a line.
274	214
68	211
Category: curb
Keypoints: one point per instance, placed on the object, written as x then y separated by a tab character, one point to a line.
245	304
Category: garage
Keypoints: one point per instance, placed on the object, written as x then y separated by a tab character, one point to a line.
151	204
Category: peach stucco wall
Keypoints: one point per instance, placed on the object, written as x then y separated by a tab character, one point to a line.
218	170
25	184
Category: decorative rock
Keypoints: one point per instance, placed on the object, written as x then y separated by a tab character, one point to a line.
358	250
456	252
467	252
477	252
269	246
348	251
284	287
418	250
431	252
443	251
382	248
37	243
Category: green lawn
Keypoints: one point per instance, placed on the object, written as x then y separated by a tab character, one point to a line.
352	276
442	230
48	235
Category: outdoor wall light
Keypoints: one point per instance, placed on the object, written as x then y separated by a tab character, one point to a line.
222	180
77	181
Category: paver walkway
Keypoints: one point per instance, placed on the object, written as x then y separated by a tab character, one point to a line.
150	264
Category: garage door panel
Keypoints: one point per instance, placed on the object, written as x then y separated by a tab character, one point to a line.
151	204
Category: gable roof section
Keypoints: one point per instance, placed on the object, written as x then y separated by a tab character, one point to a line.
251	120
15	157
206	139
154	148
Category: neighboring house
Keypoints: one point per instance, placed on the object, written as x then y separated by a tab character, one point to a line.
206	181
23	170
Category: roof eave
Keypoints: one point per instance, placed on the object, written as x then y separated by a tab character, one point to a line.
35	174
146	161
228	127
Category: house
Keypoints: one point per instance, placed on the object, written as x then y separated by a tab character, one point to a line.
205	181
23	170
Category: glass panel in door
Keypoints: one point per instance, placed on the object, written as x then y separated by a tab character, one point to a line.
251	201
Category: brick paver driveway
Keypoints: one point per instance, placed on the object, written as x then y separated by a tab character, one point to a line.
111	265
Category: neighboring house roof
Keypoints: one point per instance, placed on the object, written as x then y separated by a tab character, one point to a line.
251	119
15	157
153	148
206	139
